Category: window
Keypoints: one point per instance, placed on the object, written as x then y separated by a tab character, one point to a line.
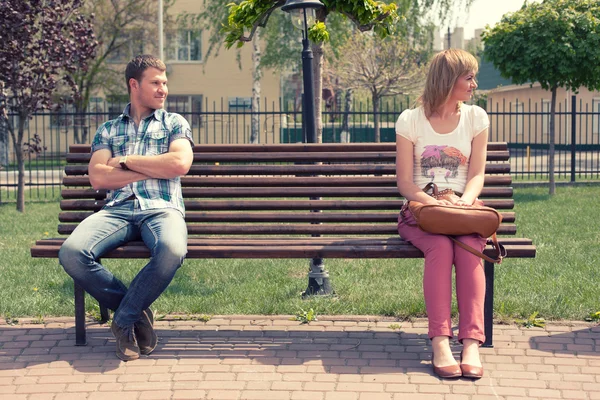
184	45
240	104
596	116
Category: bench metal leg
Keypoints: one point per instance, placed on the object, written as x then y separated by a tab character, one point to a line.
80	339
318	277
318	280
488	308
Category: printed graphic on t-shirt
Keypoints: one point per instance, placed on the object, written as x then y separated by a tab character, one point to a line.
441	162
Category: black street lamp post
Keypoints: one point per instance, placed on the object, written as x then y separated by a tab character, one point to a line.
302	11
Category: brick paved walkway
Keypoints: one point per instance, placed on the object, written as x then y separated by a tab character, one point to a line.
266	357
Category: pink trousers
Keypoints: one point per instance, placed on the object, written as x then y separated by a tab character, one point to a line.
440	254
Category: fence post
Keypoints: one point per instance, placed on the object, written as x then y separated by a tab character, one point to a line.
573	136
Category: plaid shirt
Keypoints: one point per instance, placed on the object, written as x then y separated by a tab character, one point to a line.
154	135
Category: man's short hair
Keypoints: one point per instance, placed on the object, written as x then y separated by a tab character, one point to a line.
137	66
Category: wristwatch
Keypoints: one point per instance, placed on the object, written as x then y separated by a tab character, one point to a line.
123	163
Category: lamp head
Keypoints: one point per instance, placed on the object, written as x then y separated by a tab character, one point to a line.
291	5
302	11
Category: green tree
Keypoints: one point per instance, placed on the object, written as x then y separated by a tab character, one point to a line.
123	29
42	42
382	67
213	16
555	43
384	19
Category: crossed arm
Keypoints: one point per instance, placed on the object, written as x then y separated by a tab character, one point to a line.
106	173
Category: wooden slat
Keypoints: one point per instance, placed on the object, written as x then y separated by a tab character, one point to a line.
83	194
305	251
237	192
266	205
293	157
305	147
310	147
273	217
296	241
269	181
282	192
294	170
293	229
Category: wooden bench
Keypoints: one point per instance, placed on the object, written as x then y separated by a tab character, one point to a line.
295	201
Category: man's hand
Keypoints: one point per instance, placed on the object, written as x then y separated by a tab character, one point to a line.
114	162
176	162
105	172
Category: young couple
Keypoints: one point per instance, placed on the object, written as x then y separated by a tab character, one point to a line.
140	156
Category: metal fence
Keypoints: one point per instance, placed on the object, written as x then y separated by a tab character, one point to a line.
525	128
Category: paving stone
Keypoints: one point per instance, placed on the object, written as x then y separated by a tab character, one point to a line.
272	358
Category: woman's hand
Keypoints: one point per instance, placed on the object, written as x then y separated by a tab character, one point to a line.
463	203
445	202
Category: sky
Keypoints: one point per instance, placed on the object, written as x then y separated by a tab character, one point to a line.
483	12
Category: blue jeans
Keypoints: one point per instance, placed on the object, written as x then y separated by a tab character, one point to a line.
163	231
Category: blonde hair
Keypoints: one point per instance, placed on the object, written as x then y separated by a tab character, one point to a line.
445	68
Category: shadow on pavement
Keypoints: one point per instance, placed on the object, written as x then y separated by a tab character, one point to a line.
360	350
580	341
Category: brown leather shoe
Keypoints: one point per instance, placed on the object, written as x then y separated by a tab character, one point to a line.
127	346
471	371
448	372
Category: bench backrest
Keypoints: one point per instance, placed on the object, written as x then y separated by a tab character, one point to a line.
287	190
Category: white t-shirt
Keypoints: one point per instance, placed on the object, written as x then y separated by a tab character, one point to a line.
442	158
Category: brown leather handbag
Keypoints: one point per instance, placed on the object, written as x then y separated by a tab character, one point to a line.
453	220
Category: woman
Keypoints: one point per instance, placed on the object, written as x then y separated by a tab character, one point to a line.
444	141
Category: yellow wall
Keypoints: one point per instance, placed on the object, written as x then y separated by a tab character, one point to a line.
219	76
218	79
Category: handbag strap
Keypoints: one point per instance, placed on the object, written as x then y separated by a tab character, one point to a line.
493	241
431	186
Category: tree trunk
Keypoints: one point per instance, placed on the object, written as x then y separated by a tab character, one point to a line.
256	77
84	133
551	181
78	115
77	123
21	180
345	135
376	118
3	143
76	137
318	87
18	148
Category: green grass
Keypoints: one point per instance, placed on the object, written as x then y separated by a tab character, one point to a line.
561	283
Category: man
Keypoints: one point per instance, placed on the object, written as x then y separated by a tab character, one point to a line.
139	157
